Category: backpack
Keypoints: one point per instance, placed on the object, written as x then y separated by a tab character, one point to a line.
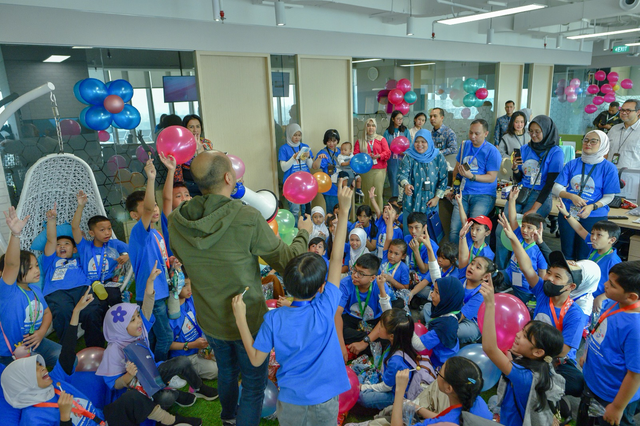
425	375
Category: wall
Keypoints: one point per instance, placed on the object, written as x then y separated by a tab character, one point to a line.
540	86
508	86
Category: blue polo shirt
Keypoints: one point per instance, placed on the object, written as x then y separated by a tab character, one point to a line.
424	255
285	154
605	263
349	300
90	254
483	159
62	273
530	167
537	261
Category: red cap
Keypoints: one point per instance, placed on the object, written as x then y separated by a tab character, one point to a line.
482	220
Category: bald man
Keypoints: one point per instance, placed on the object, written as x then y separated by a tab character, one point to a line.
218	240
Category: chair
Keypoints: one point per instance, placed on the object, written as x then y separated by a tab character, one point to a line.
569	150
505	172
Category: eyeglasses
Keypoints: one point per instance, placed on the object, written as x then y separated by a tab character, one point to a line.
626	111
590	141
359	274
535	132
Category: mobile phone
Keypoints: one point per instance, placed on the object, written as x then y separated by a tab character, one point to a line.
466	167
303	152
516	153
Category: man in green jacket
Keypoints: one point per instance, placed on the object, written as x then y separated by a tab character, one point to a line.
218	240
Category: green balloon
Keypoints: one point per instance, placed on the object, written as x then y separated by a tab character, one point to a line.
457	84
506	242
288	236
286	221
470	85
481	84
478	103
457	102
469	100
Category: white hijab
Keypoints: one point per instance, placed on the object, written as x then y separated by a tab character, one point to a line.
590	280
355	254
317	229
20	383
598	157
291	130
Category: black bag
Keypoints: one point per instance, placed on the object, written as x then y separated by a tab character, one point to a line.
525	193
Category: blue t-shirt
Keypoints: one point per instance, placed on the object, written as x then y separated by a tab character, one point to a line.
349	300
605	263
395	364
18	314
382	236
424	254
286	152
537	261
484	159
484	251
441	353
603	180
479	408
520	378
185	328
146	246
451	271
311	367
530	167
332	158
614	349
572	325
399	271
90	255
62	274
10	415
472	301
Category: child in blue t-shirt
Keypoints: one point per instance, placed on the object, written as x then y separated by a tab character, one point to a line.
472	241
364	213
418	257
64	284
312	374
447	259
386	224
393	269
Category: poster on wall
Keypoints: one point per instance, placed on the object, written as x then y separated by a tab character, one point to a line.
280	84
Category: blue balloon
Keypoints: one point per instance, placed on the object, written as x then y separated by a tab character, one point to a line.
490	373
93	91
361	163
478	102
76	92
270	399
469	100
82	116
121	88
481	84
239	191
128	118
97	118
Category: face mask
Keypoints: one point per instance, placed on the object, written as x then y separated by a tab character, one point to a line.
552	290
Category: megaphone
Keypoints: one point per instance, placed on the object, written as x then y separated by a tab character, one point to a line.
264	200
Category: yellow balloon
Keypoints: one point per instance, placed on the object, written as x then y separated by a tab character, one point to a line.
616	87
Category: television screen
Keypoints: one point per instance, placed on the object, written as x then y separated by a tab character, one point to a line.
280	84
180	88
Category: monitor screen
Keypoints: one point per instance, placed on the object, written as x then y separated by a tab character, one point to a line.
180	88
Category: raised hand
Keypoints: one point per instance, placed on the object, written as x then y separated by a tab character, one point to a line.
465	229
14	224
502	220
239	308
515	190
84	301
372	192
562	209
168	160
52	214
150	169
82	198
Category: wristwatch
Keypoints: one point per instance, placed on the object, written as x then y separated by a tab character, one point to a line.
473	178
186	346
367	339
595	205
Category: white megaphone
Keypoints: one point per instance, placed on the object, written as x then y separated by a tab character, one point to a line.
264	200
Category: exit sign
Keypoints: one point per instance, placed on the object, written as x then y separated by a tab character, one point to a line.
620	49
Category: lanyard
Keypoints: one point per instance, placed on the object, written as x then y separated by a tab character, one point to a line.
370	145
95	262
597	260
583	180
164	255
394	267
33	314
301	303
366	302
622	142
477	151
386	351
473	293
476	253
332	156
76	409
525	247
563	311
612	117
608	313
411	257
446	274
445	412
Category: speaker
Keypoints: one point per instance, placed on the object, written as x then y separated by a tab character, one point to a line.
264	200
629	5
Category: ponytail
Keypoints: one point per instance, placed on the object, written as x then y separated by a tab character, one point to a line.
499	282
465	378
397	322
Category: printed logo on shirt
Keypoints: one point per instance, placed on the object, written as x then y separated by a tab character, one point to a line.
33	308
473	164
382	238
355	311
601	333
188	329
62	266
589	187
531	169
80	420
110	253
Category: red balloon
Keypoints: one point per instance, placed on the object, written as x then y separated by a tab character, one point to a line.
613	77
89	359
348	399
391	84
396	96
593	89
572	97
610	97
511	316
626	83
103	136
403	108
300	188
399	145
482	93
114	104
569	90
272	303
177	141
404	85
600	75
590	109
419	328
69	127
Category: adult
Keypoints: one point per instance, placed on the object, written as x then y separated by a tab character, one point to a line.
477	163
418	121
502	123
516	137
377	147
536	169
327	161
609	118
295	156
587	185
218	240
194	123
443	137
625	137
395	129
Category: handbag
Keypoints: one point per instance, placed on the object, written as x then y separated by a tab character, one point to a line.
525	193
148	374
434	226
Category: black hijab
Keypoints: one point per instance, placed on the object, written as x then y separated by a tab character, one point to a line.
549	135
451	300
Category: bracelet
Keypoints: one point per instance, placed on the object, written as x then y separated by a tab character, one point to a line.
186	346
17	236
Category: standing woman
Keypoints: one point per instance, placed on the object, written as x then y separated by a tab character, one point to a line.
587	185
295	156
194	124
516	137
376	146
395	129
327	161
418	122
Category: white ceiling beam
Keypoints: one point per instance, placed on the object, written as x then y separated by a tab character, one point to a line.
562	15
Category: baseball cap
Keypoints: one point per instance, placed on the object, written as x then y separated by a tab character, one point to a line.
556	258
482	220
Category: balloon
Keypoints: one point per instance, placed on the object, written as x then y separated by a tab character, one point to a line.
270	400
97	118
272	303
89	359
382	97
613	77
559	91
82	117
511	316
482	93
626	83
454	93
396	96
490	373
598	100
440	91
606	88
569	90
324	182
361	163
470	85
121	88
575	82
115	163
76	92
349	398
285	220
128	118
600	75
419	328
177	141
562	82
457	102
481	84
457	84
302	187
103	136
593	89
403	107
443	97
391	84
274	226
579	90
572	97
469	100
288	236
113	103
506	242
590	109
410	97
93	91
404	85
399	145
610	97
238	165
143	155
466	113
478	103
69	127
616	87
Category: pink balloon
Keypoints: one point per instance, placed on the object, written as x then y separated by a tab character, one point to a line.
575	82
272	303
142	155
391	84
626	83
177	141
403	108
396	96
69	127
598	100
103	136
590	109
382	94
482	93
572	97
300	188
389	108
404	85
593	89
348	398
113	103
610	97
238	165
116	162
569	90
606	88
511	316
562	98
613	77
600	75
399	145
419	328
466	113
89	359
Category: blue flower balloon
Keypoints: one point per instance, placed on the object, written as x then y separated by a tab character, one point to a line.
128	118
97	118
93	91
121	88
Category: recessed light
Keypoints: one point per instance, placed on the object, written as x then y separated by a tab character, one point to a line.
489	15
82	47
418	65
359	61
608	33
57	58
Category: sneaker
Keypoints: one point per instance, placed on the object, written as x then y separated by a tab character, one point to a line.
186	421
207	392
231	422
359	192
185	399
177	383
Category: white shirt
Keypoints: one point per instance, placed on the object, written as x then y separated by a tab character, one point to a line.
625	141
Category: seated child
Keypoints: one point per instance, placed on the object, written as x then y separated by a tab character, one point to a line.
330	221
447	263
357	247
317	245
472	239
345	170
102	254
418	255
24	313
366	221
393	269
386	224
64	284
311	374
319	227
394	202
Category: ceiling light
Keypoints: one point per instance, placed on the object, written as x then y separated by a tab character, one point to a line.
559	41
633	44
608	33
82	47
280	18
490	36
418	65
489	15
497	3
216	10
57	58
410	25
359	61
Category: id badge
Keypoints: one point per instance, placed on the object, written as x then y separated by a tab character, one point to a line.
573	211
59	274
615	159
375	162
516	279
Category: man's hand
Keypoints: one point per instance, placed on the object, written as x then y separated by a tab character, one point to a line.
357	347
408	189
305	223
82	198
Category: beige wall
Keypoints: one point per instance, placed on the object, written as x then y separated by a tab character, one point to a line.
540	87
509	79
235	102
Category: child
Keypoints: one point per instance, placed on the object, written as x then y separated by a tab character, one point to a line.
613	358
461	380
345	170
529	384
173	193
357	247
397	328
447	258
103	254
393	269
331	221
386	224
366	222
311	374
319	228
64	284
316	245
472	245
24	314
418	256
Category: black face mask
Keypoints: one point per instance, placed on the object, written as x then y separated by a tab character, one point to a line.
552	290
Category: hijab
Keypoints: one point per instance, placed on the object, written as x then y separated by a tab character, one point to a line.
583	295
598	157
430	154
355	254
115	331
20	383
291	130
549	135
317	229
451	300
